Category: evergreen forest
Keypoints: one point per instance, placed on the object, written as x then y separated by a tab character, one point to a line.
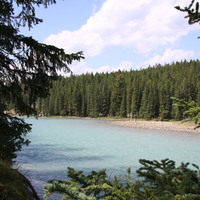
144	93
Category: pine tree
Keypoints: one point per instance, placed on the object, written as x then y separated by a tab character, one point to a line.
149	104
105	98
193	14
117	93
165	101
191	82
123	109
136	97
158	181
129	92
27	69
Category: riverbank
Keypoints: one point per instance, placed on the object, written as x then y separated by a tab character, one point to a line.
159	125
177	126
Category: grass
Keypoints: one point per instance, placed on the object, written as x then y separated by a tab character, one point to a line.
11	184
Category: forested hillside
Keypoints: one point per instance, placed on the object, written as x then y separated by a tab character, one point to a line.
144	93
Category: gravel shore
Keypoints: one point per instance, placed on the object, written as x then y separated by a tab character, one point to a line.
159	125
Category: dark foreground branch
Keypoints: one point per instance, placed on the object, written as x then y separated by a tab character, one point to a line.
33	193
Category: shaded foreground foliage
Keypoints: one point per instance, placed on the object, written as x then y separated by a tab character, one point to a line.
158	181
15	186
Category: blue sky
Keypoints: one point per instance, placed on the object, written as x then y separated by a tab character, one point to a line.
116	34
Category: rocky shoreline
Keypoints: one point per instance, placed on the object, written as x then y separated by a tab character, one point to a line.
159	125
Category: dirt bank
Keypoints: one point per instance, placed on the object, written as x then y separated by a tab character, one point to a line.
159	125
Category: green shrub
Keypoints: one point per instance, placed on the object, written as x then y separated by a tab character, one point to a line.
158	181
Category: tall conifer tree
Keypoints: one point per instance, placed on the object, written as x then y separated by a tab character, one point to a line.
27	69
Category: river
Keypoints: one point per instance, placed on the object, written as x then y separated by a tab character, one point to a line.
90	144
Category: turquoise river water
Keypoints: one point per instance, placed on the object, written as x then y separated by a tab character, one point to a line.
89	144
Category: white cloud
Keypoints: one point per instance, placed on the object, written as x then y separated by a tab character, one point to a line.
140	25
168	57
94	8
82	68
125	65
